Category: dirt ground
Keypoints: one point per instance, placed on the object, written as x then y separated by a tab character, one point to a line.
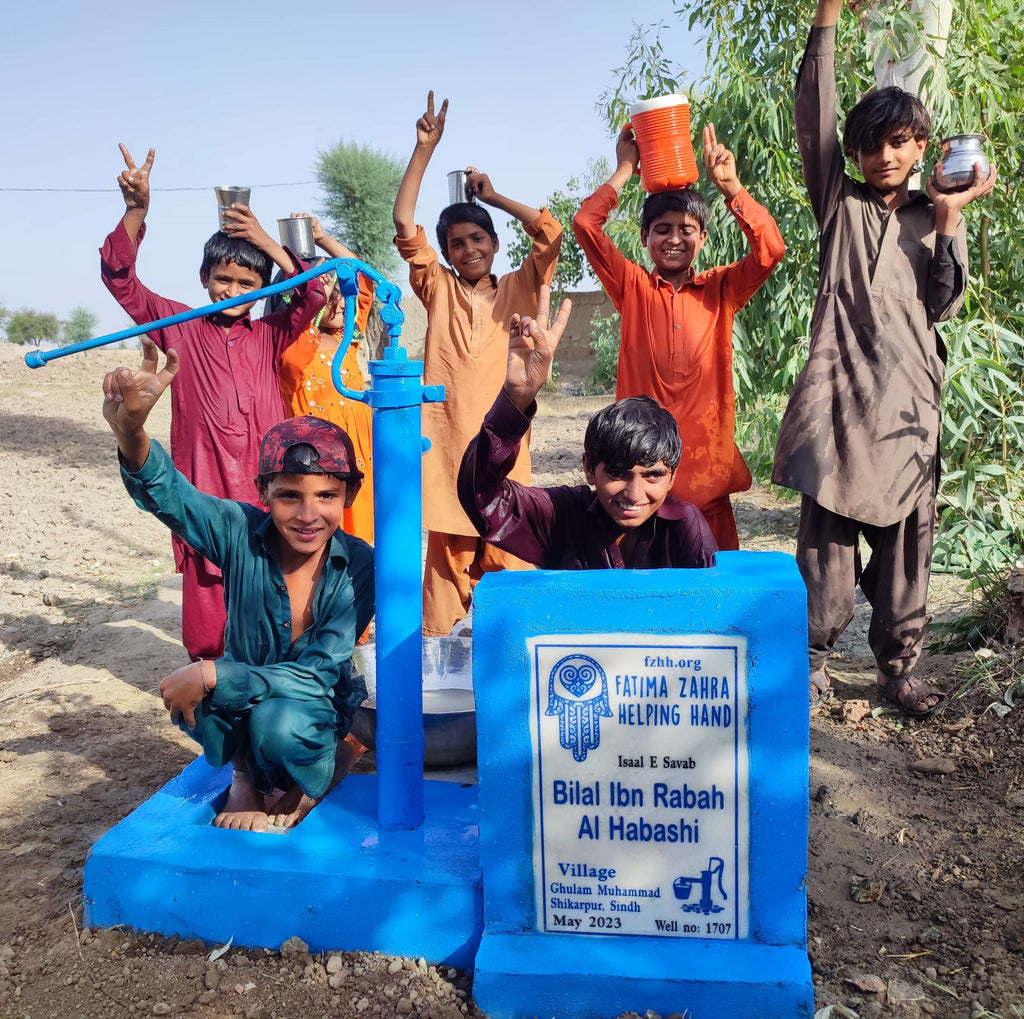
915	893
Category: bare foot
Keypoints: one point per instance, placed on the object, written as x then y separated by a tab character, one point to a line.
294	805
243	809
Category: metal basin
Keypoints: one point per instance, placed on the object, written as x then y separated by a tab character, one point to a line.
449	713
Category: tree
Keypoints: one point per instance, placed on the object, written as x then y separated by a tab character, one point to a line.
80	325
753	51
563	205
360	184
28	326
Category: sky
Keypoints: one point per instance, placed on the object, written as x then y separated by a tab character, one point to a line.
245	93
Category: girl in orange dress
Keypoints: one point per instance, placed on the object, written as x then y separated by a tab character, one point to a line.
307	386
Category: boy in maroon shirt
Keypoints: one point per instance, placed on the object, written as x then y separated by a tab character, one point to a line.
227	394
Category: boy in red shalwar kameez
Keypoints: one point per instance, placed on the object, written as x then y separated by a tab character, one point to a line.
227	394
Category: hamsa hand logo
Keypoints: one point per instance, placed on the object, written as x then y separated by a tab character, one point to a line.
578	694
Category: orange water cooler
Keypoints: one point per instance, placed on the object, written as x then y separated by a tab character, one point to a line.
662	130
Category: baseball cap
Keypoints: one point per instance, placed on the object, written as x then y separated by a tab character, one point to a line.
334	451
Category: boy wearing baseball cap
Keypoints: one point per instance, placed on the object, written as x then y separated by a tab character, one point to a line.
280	700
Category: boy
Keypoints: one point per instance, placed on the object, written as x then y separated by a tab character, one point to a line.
631	451
860	436
676	339
465	350
228	393
298	590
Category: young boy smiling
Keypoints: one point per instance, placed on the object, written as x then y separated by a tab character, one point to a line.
629	520
279	700
676	337
228	393
465	350
860	436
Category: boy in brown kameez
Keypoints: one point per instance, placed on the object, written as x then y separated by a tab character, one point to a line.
860	436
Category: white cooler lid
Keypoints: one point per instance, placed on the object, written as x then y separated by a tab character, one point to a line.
659	103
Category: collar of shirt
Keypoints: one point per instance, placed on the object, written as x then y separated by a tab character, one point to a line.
490	278
692	279
245	320
339	547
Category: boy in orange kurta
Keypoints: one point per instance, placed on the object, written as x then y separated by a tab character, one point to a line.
466	350
676	341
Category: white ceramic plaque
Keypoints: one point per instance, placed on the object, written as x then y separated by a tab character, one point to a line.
640	785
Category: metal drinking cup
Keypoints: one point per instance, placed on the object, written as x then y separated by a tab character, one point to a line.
458	187
228	196
297	233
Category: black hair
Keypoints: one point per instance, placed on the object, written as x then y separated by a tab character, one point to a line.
222	248
633	431
303	458
462	212
685	200
278	302
880	114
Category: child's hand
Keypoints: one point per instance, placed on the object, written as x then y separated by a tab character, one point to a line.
952	202
531	349
242	223
129	396
479	184
183	691
720	164
134	181
627	152
430	126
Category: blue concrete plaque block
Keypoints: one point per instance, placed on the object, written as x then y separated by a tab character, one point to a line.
643	745
336	880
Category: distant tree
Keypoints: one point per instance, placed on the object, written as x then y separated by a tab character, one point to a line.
5	314
28	326
360	184
80	325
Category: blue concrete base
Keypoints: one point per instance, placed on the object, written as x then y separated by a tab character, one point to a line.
520	976
335	881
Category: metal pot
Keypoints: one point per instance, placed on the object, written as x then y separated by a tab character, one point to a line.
955	170
449	711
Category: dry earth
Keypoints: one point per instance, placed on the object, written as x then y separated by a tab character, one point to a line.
925	820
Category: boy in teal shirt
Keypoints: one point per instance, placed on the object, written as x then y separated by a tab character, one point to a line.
298	590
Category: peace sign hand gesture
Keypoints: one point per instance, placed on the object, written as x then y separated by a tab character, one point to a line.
531	349
134	181
720	164
128	398
430	126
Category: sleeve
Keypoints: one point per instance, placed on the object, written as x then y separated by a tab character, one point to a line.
210	525
745	277
947	276
538	268
815	112
512	516
424	267
364	302
306	300
117	270
323	667
607	262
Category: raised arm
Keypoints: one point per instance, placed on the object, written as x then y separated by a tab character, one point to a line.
134	184
129	396
480	184
429	129
827	13
322	239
